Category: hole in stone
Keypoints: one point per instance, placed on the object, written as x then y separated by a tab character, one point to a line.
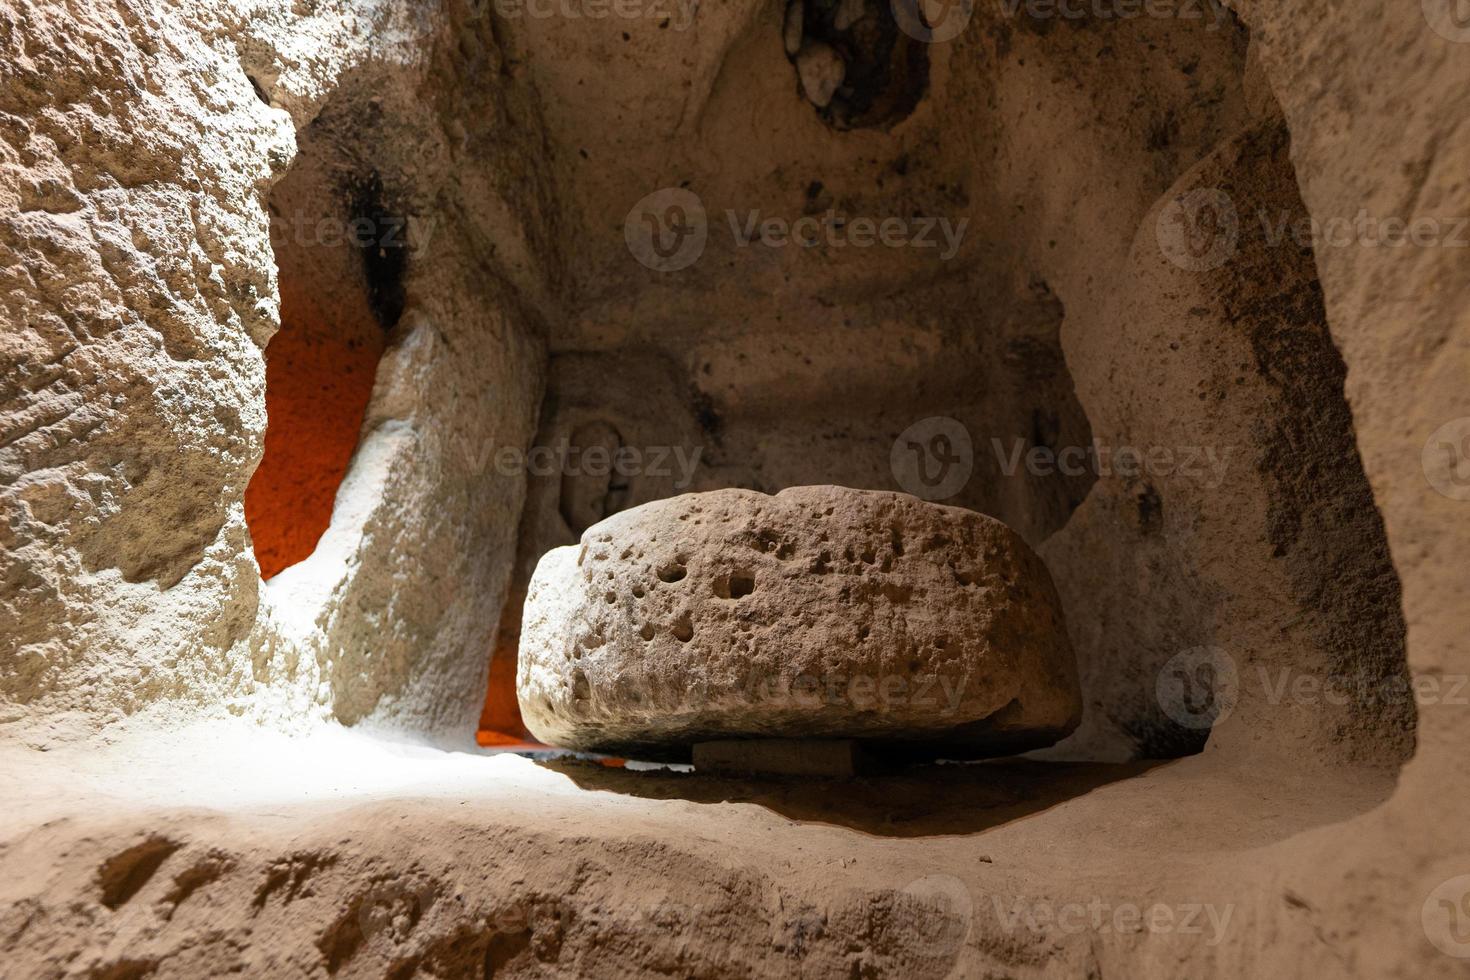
769	541
683	629
581	690
852	62
380	234
341	254
672	572
736	585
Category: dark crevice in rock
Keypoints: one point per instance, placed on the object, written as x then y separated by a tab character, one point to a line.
382	240
853	63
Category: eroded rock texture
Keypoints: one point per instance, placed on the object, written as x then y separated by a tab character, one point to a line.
144	154
820	611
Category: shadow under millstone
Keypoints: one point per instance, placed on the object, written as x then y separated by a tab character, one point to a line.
918	801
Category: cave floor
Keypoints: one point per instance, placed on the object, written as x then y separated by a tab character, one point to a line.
1000	806
339	803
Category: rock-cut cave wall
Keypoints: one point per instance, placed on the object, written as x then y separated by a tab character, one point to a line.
136	393
146	150
151	161
1057	319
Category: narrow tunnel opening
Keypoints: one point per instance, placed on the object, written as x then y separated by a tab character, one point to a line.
501	725
853	63
341	257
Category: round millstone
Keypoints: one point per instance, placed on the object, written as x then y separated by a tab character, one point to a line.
819	612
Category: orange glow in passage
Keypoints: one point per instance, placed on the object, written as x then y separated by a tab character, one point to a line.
318	378
500	719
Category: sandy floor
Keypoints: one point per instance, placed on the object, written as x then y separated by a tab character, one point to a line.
153	849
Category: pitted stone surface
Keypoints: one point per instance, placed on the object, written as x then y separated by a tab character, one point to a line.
819	612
